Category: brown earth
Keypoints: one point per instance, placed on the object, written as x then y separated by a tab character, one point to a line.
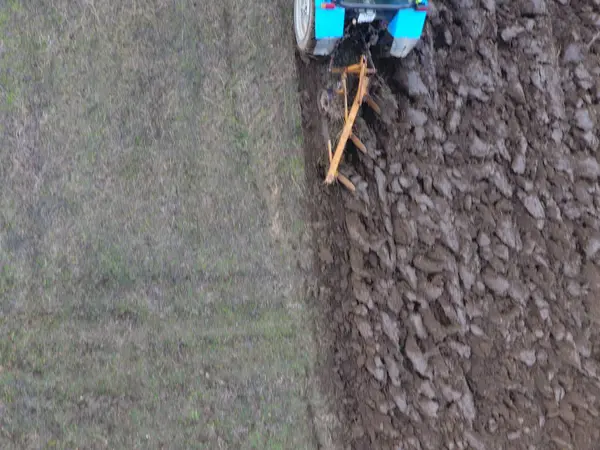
461	281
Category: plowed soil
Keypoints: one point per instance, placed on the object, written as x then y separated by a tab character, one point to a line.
461	281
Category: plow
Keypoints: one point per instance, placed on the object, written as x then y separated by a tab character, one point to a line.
386	28
363	72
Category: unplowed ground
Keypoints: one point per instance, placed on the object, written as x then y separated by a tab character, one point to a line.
150	219
461	282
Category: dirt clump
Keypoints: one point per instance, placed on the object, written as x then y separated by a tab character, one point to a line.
463	278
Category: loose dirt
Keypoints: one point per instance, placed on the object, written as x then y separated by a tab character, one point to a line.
461	280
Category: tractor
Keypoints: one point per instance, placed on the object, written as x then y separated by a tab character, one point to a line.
382	28
394	27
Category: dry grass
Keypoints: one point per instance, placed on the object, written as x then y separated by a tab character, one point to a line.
150	159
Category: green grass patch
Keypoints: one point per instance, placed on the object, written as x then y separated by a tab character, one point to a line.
141	300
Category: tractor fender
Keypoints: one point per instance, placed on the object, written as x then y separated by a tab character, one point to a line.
406	29
329	27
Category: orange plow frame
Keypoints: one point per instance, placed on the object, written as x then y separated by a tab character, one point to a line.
363	71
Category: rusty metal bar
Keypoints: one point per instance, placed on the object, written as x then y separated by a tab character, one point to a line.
346	182
372	104
358	143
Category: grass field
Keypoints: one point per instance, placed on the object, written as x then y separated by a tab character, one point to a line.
151	173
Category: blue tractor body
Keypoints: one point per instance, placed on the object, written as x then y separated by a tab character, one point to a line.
397	24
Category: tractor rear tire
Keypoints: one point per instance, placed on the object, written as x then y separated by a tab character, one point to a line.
304	26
